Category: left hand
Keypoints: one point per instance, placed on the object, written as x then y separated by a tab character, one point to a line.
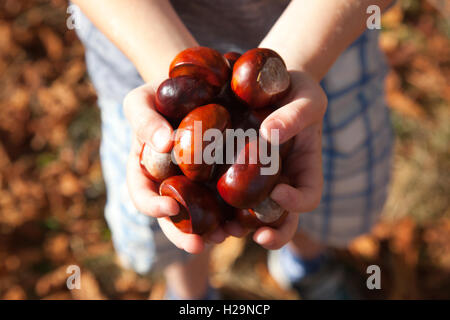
300	117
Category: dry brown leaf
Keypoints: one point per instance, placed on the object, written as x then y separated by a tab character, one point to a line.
90	289
15	293
69	184
366	246
158	291
52	43
54	280
7	45
393	17
405	105
57	248
75	72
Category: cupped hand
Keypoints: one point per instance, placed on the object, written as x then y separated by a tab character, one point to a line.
150	127
300	118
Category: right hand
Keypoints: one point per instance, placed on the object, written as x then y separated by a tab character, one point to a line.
150	127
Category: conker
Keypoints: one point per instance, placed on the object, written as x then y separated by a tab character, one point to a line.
248	219
244	186
232	57
204	63
235	107
157	166
267	213
199	212
228	212
186	151
176	97
260	78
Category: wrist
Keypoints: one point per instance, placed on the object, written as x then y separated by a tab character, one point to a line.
155	71
297	62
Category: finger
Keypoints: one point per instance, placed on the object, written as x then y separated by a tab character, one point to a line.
192	243
301	199
306	170
143	191
307	106
235	229
273	239
149	126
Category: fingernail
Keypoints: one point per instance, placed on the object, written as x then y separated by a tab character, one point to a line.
277	194
166	206
169	209
171	213
274	124
160	138
262	237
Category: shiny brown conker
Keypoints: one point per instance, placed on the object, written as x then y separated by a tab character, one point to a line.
202	62
248	219
244	185
260	78
189	143
157	166
232	57
199	211
267	213
176	97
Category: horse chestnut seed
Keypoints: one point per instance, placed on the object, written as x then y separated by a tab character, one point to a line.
202	62
176	97
200	211
189	143
266	213
157	166
260	78
232	57
249	220
244	184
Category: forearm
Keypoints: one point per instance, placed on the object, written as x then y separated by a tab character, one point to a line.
149	32
310	35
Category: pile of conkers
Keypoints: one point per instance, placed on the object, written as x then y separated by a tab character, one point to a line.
222	92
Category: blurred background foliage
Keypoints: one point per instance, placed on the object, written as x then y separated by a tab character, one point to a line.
52	193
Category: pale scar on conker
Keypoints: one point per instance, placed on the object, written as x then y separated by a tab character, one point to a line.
274	77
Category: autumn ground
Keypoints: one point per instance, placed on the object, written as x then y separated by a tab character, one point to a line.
52	193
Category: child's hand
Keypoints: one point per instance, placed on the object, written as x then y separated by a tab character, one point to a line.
300	117
150	127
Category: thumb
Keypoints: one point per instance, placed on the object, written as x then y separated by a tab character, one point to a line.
307	106
150	127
